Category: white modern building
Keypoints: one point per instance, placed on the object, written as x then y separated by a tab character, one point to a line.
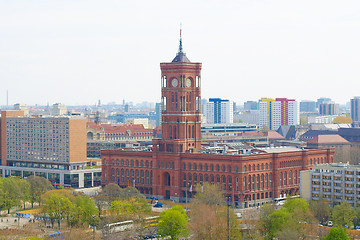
219	111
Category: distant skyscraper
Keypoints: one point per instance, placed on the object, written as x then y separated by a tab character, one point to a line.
329	108
58	109
322	100
219	111
250	105
307	106
278	112
355	109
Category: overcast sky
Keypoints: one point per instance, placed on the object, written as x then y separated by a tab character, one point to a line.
79	51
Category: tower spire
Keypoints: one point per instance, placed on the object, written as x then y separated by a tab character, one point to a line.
180	45
180	56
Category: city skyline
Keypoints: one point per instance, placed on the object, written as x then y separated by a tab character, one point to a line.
77	53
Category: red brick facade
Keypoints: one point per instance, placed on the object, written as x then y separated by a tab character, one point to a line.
176	166
248	178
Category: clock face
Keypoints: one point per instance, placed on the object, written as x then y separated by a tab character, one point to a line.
174	82
188	82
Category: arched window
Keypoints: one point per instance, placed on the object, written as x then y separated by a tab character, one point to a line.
206	167
212	167
266	166
262	166
218	179
212	179
285	178
217	167
262	181
195	178
290	178
266	181
253	182
200	167
223	168
201	178
249	182
206	178
224	182
229	183
244	168
281	179
229	168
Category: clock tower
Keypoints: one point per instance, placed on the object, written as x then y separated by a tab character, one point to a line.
181	105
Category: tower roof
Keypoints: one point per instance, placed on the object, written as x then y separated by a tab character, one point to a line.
180	56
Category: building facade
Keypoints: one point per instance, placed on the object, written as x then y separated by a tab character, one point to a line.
335	183
329	108
219	111
355	109
53	147
278	112
308	106
177	166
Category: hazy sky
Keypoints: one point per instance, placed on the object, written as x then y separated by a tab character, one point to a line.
79	51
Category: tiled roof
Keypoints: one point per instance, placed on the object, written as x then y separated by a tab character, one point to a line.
126	130
328	139
273	135
93	125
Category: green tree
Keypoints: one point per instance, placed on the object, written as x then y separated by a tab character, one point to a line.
24	190
87	209
56	207
337	234
38	186
343	214
173	223
321	210
11	193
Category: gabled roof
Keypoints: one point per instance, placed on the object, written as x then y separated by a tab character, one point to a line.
328	139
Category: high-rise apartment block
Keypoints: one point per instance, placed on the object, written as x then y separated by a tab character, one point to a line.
219	111
355	109
322	100
52	147
329	108
278	112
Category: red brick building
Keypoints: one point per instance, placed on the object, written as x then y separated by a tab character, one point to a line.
177	167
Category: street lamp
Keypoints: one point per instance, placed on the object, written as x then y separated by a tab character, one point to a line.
94	218
228	215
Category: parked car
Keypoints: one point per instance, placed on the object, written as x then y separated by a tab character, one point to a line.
330	224
357	227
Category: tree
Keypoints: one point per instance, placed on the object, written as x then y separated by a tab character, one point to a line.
343	214
131	192
342	119
209	215
134	206
210	195
112	190
173	223
321	210
11	193
24	190
84	210
337	234
38	186
56	207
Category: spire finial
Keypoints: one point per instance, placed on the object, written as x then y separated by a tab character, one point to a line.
180	46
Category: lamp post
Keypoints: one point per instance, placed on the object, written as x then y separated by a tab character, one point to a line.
59	219
94	217
228	217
